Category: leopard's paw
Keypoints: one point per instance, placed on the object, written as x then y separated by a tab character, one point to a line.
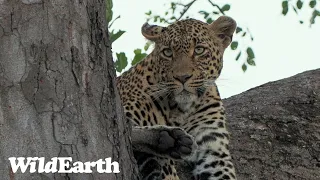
176	143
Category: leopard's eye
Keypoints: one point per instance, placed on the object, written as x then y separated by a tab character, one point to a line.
199	50
167	52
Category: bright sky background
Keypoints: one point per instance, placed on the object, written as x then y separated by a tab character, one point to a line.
283	47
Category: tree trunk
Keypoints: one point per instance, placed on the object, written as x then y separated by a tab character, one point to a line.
57	88
276	130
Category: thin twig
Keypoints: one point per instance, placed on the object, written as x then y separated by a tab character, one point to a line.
185	9
181	4
113	21
217	6
161	19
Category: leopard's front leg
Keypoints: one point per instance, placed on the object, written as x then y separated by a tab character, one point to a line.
212	159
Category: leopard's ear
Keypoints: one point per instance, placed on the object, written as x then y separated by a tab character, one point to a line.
151	32
224	28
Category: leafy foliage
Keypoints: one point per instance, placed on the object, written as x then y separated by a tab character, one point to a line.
298	5
244	67
312	3
121	62
138	56
115	36
285	8
226	7
250	57
234	45
178	10
109	12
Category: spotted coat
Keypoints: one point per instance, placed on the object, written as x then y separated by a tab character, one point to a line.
175	86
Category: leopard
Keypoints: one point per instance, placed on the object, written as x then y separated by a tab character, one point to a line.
172	100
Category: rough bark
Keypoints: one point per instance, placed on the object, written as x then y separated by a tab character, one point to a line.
276	129
57	89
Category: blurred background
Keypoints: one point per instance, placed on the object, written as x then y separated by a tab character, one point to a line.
274	40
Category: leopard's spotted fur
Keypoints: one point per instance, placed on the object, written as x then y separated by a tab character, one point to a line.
175	86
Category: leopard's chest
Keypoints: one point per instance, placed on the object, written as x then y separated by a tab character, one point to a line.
178	117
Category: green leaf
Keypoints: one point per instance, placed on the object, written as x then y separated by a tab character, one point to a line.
205	14
109	12
285	8
121	61
172	18
138	56
312	3
238	56
226	7
250	57
148	13
115	36
209	20
315	13
137	51
250	53
215	12
299	4
155	18
251	62
301	22
244	67
234	45
173	7
147	45
239	29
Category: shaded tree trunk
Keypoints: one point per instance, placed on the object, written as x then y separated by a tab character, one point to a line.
57	90
276	130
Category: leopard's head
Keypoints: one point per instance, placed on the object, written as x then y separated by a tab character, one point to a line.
188	55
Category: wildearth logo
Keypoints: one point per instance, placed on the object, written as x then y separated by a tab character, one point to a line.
62	165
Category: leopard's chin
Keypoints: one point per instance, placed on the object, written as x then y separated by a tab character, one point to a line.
185	100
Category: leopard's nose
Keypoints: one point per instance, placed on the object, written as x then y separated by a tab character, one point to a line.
183	78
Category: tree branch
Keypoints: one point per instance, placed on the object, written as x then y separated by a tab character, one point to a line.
217	6
275	130
186	8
